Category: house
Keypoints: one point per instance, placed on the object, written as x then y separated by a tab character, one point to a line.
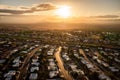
14	51
76	55
98	60
94	57
86	50
117	60
32	69
75	69
11	72
89	66
9	75
2	61
16	62
8	78
34	60
49	53
53	69
105	64
53	73
25	52
103	77
16	65
52	63
66	57
35	63
50	60
33	76
84	61
113	69
117	54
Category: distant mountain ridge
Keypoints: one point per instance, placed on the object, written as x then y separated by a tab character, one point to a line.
62	26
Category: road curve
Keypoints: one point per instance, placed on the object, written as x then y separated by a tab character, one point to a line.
60	65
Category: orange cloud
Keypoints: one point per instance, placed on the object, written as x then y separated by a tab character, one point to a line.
22	10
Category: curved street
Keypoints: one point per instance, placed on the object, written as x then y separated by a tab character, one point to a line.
60	65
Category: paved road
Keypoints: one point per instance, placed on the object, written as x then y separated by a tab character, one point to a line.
60	65
24	67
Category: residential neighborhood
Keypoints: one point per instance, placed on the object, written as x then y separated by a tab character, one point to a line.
61	55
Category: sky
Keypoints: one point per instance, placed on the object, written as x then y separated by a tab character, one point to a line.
80	11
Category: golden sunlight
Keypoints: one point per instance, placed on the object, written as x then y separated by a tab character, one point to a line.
63	11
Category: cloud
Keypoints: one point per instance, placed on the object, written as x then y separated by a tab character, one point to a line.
22	10
46	6
15	11
115	20
105	16
23	7
43	7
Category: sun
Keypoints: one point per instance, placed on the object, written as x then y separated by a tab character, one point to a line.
63	11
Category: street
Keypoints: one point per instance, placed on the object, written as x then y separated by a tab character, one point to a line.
60	65
23	69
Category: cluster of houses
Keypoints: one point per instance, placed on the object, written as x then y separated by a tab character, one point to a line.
17	62
53	69
74	71
92	68
50	52
10	75
34	68
113	57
